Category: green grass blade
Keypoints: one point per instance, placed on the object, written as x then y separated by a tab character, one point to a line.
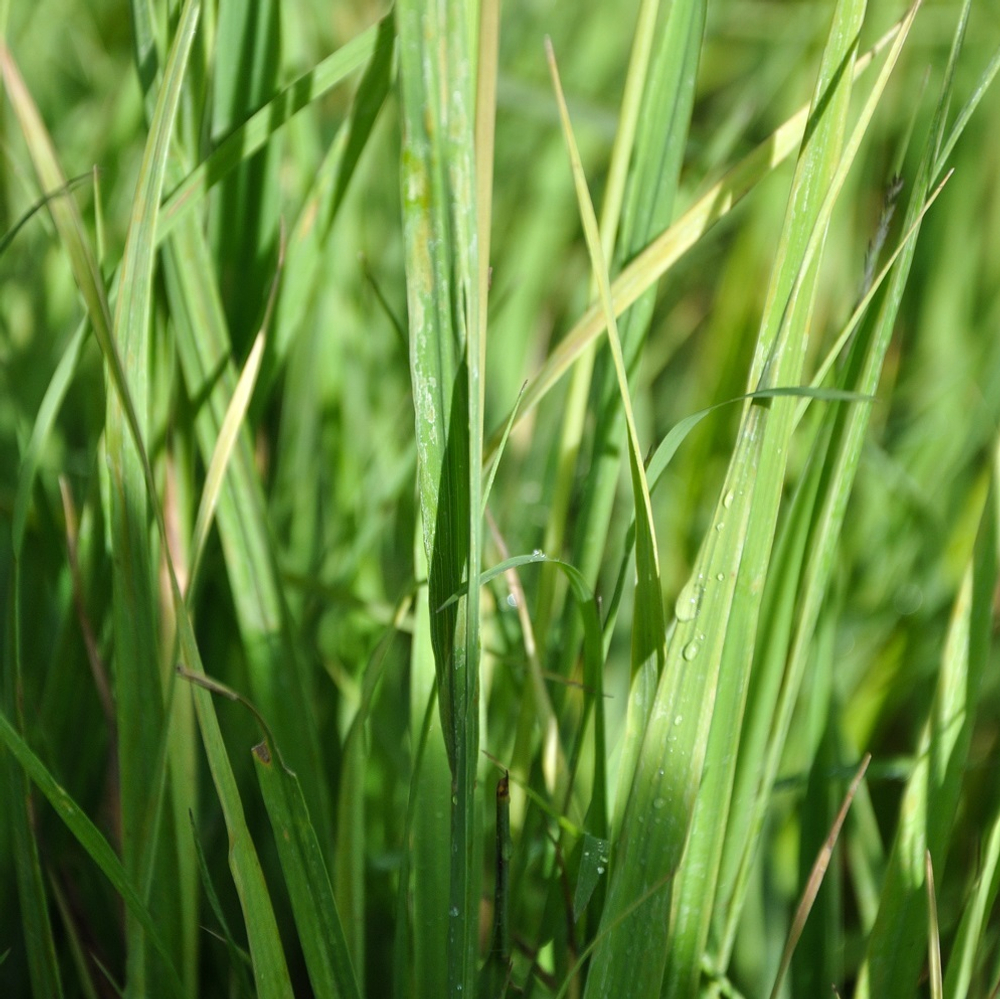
44	421
446	357
931	797
429	798
43	965
320	930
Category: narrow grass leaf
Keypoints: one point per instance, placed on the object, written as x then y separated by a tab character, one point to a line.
11	234
648	626
38	940
45	419
239	960
932	792
228	435
141	715
966	951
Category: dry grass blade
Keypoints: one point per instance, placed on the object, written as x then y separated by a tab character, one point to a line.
933	933
816	878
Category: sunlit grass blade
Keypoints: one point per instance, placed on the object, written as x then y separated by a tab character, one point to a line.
933	933
969	938
228	435
269	966
648	625
253	134
323	201
674	242
714	630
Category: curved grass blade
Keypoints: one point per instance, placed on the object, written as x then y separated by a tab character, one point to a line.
44	421
140	708
648	626
816	876
317	918
11	234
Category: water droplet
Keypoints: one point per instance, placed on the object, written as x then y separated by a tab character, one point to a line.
678	719
511	600
720	525
691	650
686	605
454	911
658	803
600	870
719	576
538	553
727	500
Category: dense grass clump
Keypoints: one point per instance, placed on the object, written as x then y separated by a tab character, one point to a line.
499	501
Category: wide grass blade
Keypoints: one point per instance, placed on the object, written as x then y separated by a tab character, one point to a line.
438	52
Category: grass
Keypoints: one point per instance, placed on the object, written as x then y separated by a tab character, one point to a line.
481	481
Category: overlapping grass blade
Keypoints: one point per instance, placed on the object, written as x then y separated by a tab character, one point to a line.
670	245
141	716
738	545
265	945
253	134
430	790
90	838
929	802
36	924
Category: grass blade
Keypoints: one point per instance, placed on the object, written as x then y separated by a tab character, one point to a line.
437	44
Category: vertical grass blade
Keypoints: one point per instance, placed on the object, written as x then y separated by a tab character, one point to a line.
437	77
